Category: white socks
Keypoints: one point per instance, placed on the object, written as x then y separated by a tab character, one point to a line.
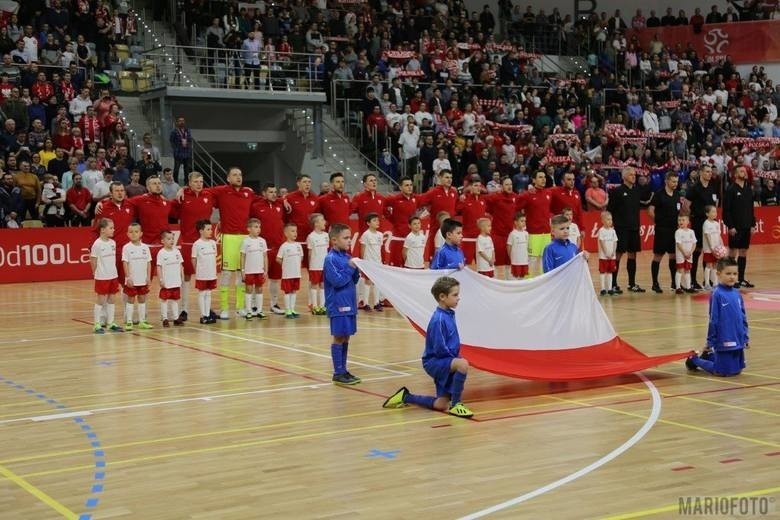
289	302
606	281
204	303
98	310
684	278
273	288
185	295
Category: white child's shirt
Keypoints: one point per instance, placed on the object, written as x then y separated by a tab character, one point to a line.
607	244
372	246
711	235
485	245
138	258
414	243
518	240
317	243
291	254
169	261
438	240
205	251
254	250
105	252
687	238
574	234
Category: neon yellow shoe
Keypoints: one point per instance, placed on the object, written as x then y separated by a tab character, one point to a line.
98	329
129	326
460	410
397	399
144	325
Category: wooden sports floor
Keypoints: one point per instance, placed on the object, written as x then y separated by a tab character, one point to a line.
239	420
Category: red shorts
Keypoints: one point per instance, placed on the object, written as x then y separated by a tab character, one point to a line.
519	271
396	256
469	247
291	285
155	250
136	290
254	280
273	269
106	287
186	253
205	285
174	293
501	254
607	266
684	266
709	258
489	274
315	277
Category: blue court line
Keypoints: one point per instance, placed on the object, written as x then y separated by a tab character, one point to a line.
99	455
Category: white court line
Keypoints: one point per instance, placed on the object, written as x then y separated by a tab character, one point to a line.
293	349
205	398
655	413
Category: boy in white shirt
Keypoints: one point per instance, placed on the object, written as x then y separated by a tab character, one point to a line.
137	261
607	253
685	240
102	259
290	256
170	271
204	262
317	244
486	254
254	259
575	236
414	245
711	240
517	248
371	251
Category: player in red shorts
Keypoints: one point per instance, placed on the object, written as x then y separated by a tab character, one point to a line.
317	243
502	207
439	198
152	211
471	207
299	206
269	210
289	257
399	209
254	262
102	258
607	253
204	262
137	260
122	212
171	274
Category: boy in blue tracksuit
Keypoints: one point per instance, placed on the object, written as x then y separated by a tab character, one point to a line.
340	278
560	250
727	335
441	359
450	255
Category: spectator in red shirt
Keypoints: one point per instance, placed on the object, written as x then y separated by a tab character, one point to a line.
79	201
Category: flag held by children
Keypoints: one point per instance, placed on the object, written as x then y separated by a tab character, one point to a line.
549	328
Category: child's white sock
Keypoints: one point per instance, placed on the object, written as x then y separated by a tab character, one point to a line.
313	297
287	302
110	310
713	277
687	279
707	281
175	309
677	279
293	298
129	312
164	309
141	312
185	295
274	290
207	302
321	297
202	303
98	310
248	302
259	299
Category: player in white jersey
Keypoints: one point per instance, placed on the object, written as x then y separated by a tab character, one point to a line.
371	251
254	260
517	248
290	256
486	251
170	270
317	244
414	245
204	261
607	253
137	261
575	236
712	241
102	259
685	242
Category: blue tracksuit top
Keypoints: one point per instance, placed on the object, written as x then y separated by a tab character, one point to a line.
728	329
339	281
557	253
441	339
449	256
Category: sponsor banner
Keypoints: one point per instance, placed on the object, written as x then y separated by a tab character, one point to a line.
766	231
744	42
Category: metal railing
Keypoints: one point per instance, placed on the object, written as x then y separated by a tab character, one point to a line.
178	65
202	161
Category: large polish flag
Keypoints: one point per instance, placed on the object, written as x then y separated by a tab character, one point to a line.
550	328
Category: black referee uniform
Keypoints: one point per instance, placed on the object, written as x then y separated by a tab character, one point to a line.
700	196
738	214
666	208
624	204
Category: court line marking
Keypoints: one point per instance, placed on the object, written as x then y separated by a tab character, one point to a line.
655	413
39	494
725	380
675	507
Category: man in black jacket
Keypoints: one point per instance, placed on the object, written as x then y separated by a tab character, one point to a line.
624	204
739	219
664	210
703	193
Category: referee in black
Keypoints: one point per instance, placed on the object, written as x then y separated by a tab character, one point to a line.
739	219
664	209
624	204
702	194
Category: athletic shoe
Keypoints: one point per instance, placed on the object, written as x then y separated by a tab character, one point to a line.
260	314
212	321
691	290
354	377
177	322
99	329
213	315
345	379
746	284
289	315
115	328
397	399
612	292
143	325
295	314
603	292
460	410
322	311
690	365
636	289
166	323
378	307
275	309
129	326
679	290
366	308
224	315
242	313
695	286
617	290
657	288
183	316
249	316
204	320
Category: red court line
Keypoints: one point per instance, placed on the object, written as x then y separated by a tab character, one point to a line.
682	468
772	454
729	461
